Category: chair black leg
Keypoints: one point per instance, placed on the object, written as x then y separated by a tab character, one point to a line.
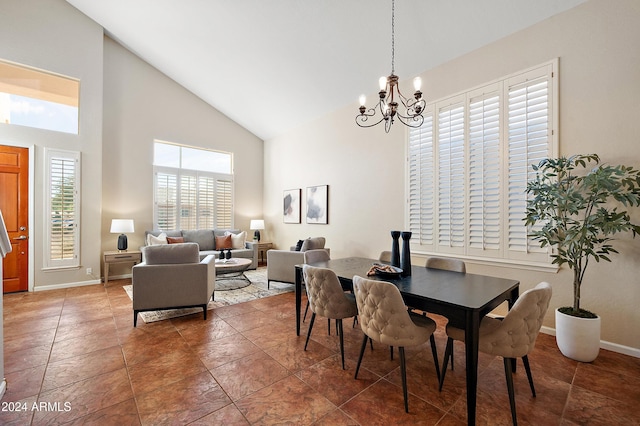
313	318
512	399
364	345
434	352
391	351
339	331
447	353
204	308
306	309
135	318
403	371
525	360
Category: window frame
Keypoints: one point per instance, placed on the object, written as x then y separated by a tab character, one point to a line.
179	175
74	157
423	192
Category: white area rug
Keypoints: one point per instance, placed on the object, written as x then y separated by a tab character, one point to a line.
256	290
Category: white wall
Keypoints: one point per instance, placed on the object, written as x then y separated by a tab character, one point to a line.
597	44
141	105
54	36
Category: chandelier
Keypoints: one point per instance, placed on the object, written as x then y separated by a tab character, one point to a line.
390	94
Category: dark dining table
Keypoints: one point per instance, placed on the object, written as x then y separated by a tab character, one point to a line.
464	299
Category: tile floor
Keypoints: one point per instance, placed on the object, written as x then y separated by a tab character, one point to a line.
72	356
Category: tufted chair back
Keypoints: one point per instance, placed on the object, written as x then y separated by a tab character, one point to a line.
326	297
313	256
447	264
383	315
515	336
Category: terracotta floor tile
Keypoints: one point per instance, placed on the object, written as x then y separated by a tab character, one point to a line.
245	365
288	401
82	367
184	401
249	374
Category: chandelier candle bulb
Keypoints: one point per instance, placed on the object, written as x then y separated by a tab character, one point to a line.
417	84
363	100
383	83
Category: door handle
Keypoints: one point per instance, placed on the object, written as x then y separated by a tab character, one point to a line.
21	237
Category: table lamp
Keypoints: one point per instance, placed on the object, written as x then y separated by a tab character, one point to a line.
257	225
121	226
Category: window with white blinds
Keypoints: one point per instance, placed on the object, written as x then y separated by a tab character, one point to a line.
62	201
469	163
191	199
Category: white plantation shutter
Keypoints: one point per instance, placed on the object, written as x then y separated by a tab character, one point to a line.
62	231
484	172
200	200
421	183
166	201
224	204
468	168
451	179
529	130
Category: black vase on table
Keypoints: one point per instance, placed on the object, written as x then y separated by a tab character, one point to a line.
221	256
395	249
228	256
405	264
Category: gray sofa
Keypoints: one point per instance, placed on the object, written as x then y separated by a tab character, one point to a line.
207	242
281	263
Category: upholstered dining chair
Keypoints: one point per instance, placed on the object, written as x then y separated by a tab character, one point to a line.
327	299
385	256
313	256
447	264
384	318
511	337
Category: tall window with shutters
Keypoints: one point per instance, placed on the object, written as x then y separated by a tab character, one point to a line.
193	188
62	204
469	163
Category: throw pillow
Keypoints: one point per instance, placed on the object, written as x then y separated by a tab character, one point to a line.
223	242
299	245
237	240
175	240
152	240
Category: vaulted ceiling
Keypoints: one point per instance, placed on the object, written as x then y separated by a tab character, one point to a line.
272	65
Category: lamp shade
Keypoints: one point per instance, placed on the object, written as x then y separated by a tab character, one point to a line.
120	226
257	224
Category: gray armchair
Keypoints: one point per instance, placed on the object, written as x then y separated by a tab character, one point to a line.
281	263
172	276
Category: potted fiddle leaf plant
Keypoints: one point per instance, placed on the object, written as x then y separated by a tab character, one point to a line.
577	212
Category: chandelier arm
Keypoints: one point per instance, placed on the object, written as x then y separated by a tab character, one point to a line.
363	118
411	121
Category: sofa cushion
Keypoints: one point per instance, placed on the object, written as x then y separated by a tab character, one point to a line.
171	254
204	238
237	240
175	240
223	242
152	240
313	244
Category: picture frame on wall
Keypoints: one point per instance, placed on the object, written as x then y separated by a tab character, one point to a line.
318	204
292	205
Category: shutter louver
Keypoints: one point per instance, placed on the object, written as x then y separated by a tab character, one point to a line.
224	204
484	173
451	179
63	209
421	182
166	200
206	202
529	129
188	202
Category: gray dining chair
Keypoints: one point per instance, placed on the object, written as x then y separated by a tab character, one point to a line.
384	318
385	256
328	299
313	256
447	264
511	337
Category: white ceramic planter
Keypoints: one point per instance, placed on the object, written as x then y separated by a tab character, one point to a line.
578	338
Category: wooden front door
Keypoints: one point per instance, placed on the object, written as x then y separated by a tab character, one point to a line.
14	204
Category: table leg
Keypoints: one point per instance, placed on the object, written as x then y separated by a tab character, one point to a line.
472	333
298	298
106	273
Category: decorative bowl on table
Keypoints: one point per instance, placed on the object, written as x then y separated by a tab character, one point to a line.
385	271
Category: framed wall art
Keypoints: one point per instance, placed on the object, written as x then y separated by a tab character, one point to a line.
317	204
292	205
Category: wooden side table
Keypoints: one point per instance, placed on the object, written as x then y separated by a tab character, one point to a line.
110	257
262	250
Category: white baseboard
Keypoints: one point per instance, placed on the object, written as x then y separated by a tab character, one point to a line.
613	347
66	285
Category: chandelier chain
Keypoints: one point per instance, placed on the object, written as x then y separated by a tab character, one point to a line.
393	36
